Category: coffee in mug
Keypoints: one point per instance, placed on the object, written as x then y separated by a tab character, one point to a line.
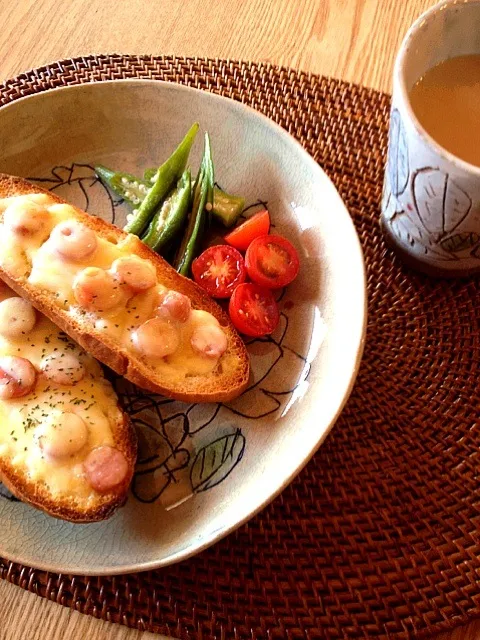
446	102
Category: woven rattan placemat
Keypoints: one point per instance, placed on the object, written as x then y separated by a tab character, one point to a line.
379	536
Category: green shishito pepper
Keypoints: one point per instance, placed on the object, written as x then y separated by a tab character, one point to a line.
227	208
200	213
128	187
165	178
149	174
170	217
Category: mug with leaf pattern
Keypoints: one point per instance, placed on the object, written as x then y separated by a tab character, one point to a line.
431	199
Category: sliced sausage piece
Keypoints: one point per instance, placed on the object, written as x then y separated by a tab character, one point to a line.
209	340
73	240
62	368
17	317
156	338
26	218
106	468
96	290
174	306
63	435
17	377
134	272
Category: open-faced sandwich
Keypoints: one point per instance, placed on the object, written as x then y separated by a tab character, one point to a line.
117	298
66	447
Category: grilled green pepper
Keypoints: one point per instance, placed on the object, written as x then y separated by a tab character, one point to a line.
170	217
165	178
199	215
227	208
128	187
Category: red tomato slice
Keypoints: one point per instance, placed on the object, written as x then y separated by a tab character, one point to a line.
242	236
219	269
272	261
253	310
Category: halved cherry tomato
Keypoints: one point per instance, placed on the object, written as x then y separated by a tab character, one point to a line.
272	261
219	269
242	236
253	310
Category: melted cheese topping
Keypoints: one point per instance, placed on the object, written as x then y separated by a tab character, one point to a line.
22	419
42	266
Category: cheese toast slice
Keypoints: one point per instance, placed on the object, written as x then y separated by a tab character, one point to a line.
66	447
117	298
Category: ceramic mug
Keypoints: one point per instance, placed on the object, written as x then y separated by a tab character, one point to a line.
431	199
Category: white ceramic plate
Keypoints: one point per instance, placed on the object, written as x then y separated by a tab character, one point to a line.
202	469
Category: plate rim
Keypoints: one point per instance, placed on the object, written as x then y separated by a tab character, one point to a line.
206	542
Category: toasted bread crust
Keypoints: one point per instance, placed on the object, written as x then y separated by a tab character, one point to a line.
36	495
220	385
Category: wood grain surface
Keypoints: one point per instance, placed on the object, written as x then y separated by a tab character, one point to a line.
351	39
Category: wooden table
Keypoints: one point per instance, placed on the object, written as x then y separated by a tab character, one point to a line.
351	39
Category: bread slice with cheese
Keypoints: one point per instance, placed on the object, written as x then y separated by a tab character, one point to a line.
66	447
207	360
